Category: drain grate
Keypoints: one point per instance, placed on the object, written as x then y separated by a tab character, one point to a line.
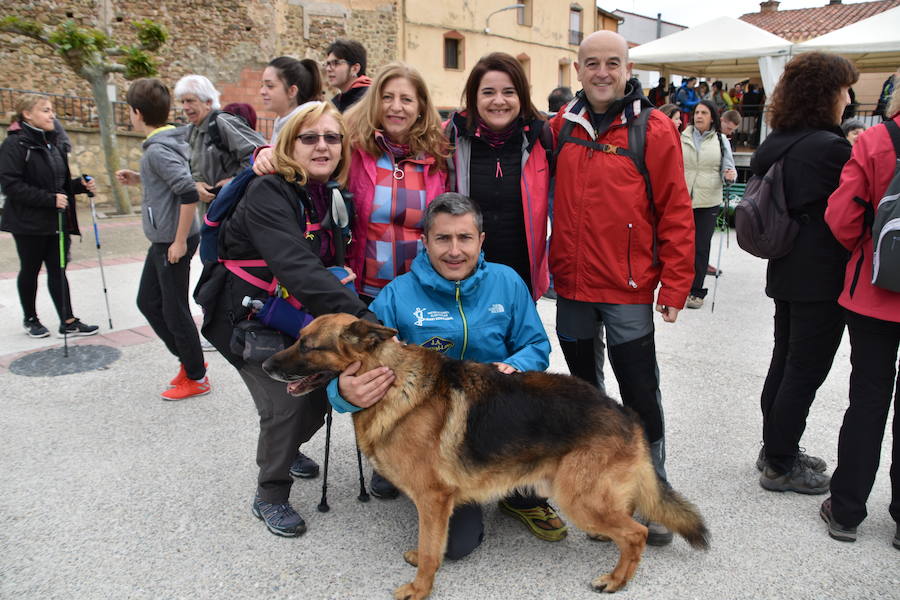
52	363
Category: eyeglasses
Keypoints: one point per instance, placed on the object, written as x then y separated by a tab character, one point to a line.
333	64
311	139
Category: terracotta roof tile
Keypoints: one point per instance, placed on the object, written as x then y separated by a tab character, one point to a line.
806	23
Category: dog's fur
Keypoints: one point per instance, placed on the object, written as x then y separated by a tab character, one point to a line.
450	432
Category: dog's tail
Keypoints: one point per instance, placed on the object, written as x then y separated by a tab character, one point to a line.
658	502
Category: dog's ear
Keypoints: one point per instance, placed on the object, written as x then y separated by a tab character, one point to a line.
366	333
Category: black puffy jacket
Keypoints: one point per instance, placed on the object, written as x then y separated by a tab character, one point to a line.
26	176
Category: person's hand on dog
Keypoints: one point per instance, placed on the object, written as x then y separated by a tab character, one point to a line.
669	313
505	368
366	389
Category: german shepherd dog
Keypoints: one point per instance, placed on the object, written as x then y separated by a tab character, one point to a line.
449	432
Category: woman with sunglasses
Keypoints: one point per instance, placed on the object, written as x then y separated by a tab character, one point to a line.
279	222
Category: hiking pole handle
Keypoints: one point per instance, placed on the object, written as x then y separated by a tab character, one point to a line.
87	177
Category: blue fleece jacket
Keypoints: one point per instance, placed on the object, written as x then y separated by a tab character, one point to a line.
487	317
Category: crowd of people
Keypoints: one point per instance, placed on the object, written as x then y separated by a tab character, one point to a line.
369	204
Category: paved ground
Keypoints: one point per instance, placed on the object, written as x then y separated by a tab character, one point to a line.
108	492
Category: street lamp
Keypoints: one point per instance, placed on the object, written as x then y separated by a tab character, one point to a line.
487	21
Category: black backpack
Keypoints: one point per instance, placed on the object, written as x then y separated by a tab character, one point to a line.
763	225
886	226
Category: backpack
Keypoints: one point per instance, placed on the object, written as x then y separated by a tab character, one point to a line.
212	130
763	225
886	226
636	150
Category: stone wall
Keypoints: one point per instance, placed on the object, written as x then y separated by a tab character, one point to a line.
228	41
86	157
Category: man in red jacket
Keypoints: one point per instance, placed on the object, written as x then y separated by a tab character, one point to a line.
612	243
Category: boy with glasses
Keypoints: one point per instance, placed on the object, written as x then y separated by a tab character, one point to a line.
345	70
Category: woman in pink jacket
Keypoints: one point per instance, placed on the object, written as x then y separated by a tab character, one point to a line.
399	165
873	320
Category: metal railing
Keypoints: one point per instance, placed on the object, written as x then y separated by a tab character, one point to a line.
80	111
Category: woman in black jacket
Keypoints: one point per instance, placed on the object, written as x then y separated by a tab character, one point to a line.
805	115
278	221
40	193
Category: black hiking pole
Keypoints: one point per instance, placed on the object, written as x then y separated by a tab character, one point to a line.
62	280
721	221
323	503
87	177
363	494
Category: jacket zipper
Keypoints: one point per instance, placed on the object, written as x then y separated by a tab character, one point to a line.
631	282
462	314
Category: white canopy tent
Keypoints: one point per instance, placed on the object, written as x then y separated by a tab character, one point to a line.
872	44
724	48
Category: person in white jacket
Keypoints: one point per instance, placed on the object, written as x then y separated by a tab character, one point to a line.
708	162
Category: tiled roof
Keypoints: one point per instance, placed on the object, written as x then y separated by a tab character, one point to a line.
806	23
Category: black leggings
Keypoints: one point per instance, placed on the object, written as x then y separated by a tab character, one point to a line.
35	250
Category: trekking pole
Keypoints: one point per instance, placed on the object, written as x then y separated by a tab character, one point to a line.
363	494
62	280
721	221
323	503
97	240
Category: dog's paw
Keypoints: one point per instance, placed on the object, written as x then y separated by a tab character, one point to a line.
606	584
412	557
409	592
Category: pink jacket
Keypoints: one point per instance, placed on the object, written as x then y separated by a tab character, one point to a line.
362	185
865	176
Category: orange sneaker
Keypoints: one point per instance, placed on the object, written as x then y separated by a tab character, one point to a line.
188	388
182	375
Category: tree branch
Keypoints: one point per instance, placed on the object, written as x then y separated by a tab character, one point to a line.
32	30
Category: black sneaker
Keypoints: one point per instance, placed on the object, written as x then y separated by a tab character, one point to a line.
281	519
837	531
304	467
34	328
812	462
382	488
800	479
77	328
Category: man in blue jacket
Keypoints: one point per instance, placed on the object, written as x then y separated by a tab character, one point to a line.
455	302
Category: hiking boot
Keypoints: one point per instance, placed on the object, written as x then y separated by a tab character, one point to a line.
837	531
305	467
541	520
34	328
76	328
812	462
189	388
658	534
382	488
800	479
280	519
182	375
694	302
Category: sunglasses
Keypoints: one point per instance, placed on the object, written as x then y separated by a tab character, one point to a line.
311	139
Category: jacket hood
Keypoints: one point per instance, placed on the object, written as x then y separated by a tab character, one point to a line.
175	139
430	279
32	134
777	143
361	81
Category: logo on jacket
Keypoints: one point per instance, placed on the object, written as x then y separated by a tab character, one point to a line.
437	343
423	315
496	308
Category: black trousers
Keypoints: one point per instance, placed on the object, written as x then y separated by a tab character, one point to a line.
285	422
163	299
873	382
807	335
35	250
704	226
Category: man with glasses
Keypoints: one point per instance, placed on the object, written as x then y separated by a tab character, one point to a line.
345	70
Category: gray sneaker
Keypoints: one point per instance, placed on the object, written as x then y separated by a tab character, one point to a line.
812	462
837	531
281	519
658	534
800	479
